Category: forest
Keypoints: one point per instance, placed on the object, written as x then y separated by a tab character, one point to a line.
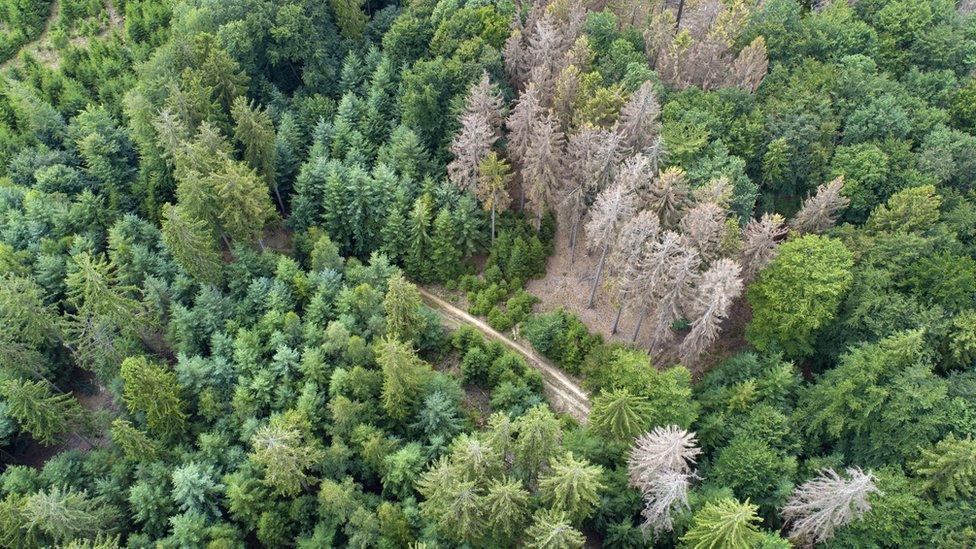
487	273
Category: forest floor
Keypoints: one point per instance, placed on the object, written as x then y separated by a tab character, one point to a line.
93	398
563	391
567	285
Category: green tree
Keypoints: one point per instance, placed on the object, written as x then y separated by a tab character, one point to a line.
404	377
64	514
552	530
242	203
403	309
725	523
419	247
539	439
494	175
152	389
45	415
949	468
572	485
620	415
350	17
256	134
445	257
286	450
191	243
798	293
506	504
134	443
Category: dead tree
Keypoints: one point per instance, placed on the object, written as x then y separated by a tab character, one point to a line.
653	271
760	239
669	195
612	208
543	166
703	228
593	155
821	505
639	122
820	211
625	258
718	288
671	294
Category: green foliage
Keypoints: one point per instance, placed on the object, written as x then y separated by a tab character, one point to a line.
46	415
152	389
562	337
723	523
798	293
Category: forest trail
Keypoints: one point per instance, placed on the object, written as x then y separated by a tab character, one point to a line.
564	394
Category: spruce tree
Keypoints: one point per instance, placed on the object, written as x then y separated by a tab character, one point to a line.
417	258
445	257
724	523
402	305
573	486
47	416
620	415
552	529
949	468
135	444
191	243
152	389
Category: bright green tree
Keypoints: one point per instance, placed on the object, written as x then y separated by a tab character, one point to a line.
45	415
64	514
949	468
135	444
725	523
798	293
255	132
286	451
539	439
242	203
552	530
191	243
152	389
417	257
506	506
402	305
620	415
572	485
404	376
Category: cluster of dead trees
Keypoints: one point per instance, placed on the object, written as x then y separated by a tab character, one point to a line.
666	252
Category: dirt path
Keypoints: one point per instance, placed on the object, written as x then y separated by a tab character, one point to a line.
564	394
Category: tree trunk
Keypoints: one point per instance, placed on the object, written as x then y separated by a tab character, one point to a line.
261	243
226	241
640	321
573	234
599	271
616	320
681	9
281	203
493	222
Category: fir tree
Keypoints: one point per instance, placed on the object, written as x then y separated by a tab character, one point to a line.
152	389
191	243
45	415
445	257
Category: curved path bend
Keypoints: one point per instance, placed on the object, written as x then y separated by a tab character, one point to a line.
564	394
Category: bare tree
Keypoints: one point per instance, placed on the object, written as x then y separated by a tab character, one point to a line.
668	448
470	147
820	211
544	56
612	208
669	195
639	123
671	294
625	258
749	68
703	228
527	110
760	239
719	287
543	166
513	54
665	493
485	100
653	270
821	505
593	155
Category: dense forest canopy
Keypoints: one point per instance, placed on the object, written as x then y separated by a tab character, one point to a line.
224	228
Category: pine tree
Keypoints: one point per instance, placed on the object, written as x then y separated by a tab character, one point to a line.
255	131
402	305
572	486
494	176
639	122
611	210
403	376
718	288
135	444
620	415
539	436
64	514
821	505
724	523
417	257
243	205
445	257
506	505
949	469
286	451
552	530
191	243
820	211
153	390
48	417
